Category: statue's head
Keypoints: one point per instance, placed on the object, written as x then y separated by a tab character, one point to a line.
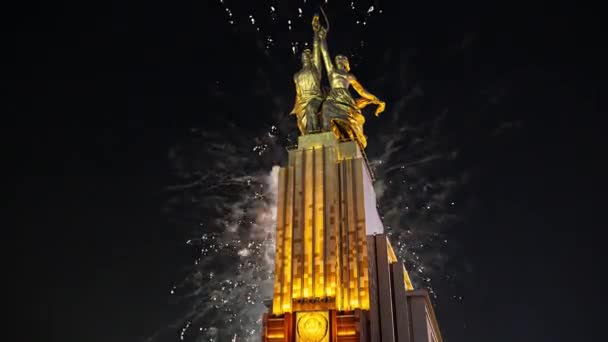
342	63
306	57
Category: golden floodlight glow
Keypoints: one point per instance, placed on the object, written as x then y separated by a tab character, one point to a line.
347	332
392	258
406	278
320	203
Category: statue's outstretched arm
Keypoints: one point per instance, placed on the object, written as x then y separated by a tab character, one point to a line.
329	66
367	97
360	90
316	54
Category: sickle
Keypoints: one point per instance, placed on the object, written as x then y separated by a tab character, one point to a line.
326	20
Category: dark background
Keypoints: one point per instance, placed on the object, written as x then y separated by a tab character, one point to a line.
98	93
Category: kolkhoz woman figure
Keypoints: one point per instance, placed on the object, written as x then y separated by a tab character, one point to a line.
340	113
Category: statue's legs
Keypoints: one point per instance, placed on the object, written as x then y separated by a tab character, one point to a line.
312	122
325	123
301	121
344	126
330	113
326	118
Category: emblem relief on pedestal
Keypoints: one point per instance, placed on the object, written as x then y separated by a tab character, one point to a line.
312	326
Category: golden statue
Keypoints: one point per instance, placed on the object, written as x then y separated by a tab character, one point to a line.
308	86
340	113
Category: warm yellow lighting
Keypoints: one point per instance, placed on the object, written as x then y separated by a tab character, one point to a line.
347	332
280	245
307	212
408	281
288	246
317	140
319	191
392	258
276	335
318	223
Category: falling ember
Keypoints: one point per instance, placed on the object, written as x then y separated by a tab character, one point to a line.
268	42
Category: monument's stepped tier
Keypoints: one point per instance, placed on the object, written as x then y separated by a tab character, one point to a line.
326	208
337	278
398	313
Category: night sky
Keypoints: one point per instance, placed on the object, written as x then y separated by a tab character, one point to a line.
494	121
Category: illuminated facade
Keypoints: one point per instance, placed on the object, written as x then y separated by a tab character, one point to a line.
337	278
